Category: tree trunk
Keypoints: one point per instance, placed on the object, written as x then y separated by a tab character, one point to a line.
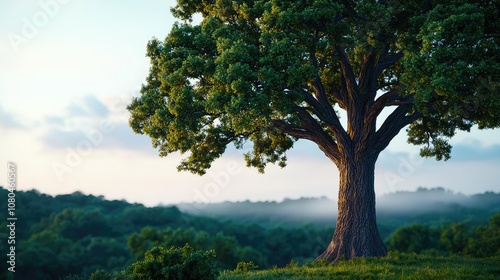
356	233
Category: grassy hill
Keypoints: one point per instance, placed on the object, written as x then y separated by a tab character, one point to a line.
394	266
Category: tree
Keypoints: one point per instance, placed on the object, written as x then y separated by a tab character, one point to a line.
486	239
414	238
271	72
454	237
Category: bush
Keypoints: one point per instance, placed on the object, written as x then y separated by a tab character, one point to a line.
293	264
245	267
175	263
414	238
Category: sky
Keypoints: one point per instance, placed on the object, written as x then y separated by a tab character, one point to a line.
69	68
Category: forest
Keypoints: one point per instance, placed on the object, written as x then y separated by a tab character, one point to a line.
76	235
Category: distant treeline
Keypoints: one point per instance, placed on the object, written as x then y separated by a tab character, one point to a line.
436	206
79	234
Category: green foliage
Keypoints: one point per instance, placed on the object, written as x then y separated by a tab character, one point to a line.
100	275
454	238
451	69
159	263
175	263
97	275
227	249
317	263
414	238
486	239
394	266
54	245
293	264
270	72
245	267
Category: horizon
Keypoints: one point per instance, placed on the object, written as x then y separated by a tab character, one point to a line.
70	68
417	190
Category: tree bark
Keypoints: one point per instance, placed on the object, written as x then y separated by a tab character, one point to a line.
356	233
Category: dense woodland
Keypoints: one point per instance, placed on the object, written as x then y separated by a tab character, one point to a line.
77	234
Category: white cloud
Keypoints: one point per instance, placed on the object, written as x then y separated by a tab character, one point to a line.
9	121
88	106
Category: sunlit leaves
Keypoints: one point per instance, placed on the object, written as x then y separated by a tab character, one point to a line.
447	74
249	63
269	146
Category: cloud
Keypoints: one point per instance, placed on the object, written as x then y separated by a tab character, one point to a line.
475	151
463	152
107	135
58	138
54	120
88	120
88	106
9	120
123	137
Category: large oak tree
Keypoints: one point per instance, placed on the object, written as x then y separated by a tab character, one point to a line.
270	72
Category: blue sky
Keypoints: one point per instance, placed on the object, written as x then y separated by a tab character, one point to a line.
68	68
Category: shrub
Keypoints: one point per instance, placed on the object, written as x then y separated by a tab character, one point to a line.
293	264
175	263
245	267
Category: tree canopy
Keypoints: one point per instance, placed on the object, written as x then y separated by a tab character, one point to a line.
270	72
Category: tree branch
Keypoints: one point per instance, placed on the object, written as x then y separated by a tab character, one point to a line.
320	104
294	131
367	76
393	124
386	61
328	116
311	131
319	90
350	88
324	141
340	98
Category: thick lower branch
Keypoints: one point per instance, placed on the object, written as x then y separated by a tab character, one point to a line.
291	130
313	133
379	105
396	121
326	143
327	115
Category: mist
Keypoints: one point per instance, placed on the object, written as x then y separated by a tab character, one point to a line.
324	211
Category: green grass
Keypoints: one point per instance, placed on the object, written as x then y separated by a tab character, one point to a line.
394	266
